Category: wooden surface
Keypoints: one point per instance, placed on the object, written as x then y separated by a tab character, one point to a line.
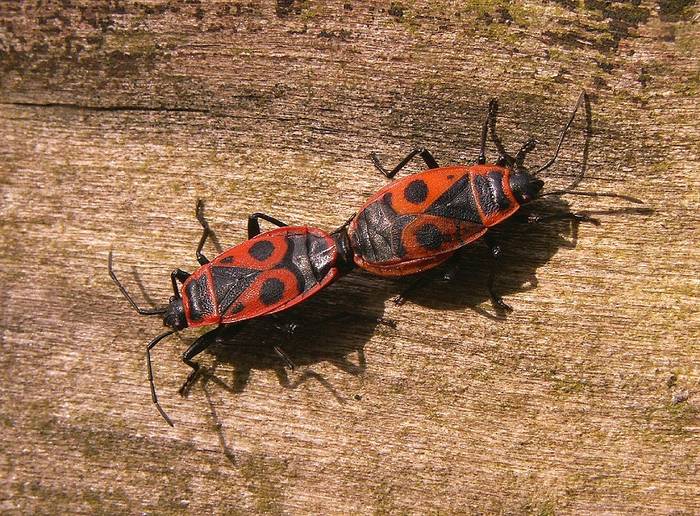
115	119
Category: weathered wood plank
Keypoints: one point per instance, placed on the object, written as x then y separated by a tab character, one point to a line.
115	119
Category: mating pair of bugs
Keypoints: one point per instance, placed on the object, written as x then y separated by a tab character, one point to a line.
412	225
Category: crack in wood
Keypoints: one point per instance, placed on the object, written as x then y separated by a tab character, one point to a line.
104	108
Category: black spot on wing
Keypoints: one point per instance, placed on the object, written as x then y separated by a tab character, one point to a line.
261	250
416	192
429	237
235	308
271	291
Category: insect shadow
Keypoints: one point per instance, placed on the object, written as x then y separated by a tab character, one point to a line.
323	332
330	328
289	344
525	248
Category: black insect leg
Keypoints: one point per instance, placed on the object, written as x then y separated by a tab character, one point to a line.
448	274
503	157
199	213
254	224
595	194
345	224
496	253
419	151
577	217
527	147
178	275
418	283
285	358
197	347
484	133
287	328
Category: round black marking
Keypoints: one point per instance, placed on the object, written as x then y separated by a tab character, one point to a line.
261	250
227	259
429	237
450	177
416	192
271	291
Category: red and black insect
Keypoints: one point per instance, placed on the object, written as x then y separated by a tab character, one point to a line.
423	220
410	226
264	275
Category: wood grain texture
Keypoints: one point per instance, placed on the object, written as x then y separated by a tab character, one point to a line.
115	117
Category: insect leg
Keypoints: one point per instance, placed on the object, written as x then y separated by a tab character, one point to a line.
178	275
418	283
503	157
448	274
254	224
196	348
496	301
418	151
199	345
484	132
199	213
285	358
451	270
527	147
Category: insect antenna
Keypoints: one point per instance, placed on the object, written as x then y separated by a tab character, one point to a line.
141	311
154	396
582	99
